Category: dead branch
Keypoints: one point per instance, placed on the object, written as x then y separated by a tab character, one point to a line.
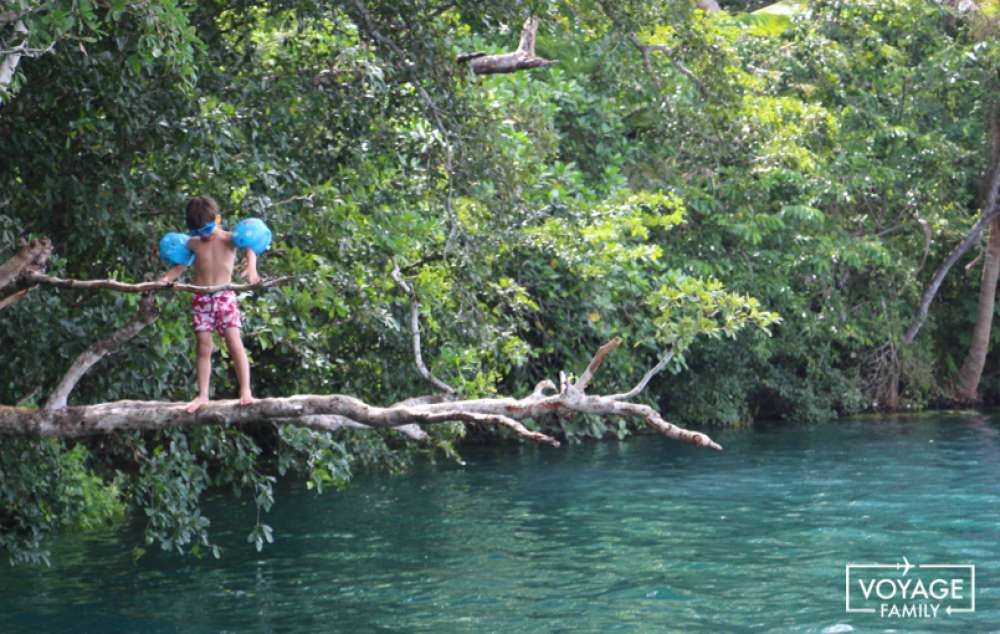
524	58
105	418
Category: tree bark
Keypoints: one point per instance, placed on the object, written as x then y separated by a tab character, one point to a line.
967	382
328	412
523	58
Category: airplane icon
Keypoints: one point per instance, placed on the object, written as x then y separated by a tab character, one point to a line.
906	568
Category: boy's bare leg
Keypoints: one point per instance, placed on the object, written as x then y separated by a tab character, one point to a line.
240	362
204	371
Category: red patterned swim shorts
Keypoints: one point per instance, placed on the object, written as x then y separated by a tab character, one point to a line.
215	311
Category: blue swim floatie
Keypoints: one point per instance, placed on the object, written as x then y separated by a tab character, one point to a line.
174	249
252	234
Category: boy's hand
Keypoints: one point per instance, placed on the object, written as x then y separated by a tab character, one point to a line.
250	270
251	275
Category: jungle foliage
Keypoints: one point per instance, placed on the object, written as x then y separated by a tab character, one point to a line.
812	163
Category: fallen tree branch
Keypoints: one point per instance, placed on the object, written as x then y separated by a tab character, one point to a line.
146	315
104	418
524	58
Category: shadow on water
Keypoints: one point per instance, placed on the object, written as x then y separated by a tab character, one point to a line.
644	535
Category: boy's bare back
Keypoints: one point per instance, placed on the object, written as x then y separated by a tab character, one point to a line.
215	257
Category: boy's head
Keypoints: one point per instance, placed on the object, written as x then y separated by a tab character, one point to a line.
201	210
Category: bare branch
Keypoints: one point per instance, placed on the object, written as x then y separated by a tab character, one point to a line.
415	330
524	58
602	353
146	287
146	315
656	369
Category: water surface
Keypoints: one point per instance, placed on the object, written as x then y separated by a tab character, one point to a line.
647	535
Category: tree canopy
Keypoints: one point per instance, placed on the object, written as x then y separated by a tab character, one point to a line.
669	175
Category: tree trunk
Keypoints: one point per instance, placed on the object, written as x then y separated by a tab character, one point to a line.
967	383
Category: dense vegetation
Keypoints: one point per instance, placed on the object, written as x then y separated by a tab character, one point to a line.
822	161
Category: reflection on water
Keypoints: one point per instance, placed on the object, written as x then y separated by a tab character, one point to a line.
642	536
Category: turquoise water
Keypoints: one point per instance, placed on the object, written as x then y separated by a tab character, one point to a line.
643	536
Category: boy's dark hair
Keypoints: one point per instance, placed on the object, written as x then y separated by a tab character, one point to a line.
201	210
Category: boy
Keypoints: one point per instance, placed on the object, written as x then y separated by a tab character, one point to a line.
214	259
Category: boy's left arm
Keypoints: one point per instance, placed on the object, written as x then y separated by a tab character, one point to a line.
250	270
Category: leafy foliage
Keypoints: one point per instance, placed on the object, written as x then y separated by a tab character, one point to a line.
812	163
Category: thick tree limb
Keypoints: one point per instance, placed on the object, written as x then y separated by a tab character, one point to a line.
415	330
146	315
90	420
524	58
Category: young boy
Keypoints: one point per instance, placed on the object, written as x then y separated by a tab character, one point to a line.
214	259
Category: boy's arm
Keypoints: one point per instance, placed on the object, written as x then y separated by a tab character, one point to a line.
173	273
250	270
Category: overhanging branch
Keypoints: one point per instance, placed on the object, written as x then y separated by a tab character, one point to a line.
524	58
104	418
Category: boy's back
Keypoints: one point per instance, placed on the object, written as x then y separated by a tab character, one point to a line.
215	257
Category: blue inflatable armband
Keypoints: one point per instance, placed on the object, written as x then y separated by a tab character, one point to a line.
252	234
174	249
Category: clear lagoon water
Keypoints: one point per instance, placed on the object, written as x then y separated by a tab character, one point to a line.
647	535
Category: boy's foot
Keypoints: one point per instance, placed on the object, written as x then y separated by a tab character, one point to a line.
246	399
196	404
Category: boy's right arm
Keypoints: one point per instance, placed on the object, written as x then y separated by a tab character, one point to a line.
173	273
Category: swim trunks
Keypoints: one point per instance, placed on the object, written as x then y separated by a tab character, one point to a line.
215	311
